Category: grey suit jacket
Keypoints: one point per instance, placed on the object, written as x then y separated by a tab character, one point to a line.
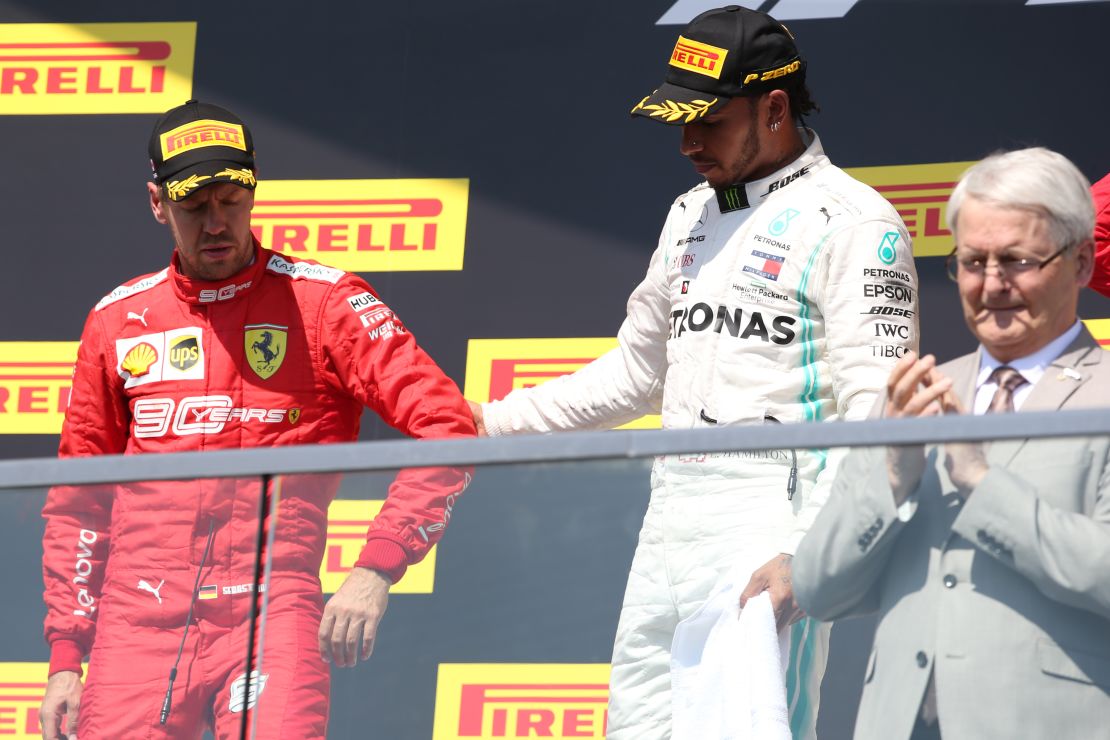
1005	597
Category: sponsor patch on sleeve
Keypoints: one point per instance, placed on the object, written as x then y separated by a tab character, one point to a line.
124	291
304	270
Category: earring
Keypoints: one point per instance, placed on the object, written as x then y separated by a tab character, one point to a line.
775	127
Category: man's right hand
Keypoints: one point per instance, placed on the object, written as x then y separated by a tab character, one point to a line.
62	699
479	418
914	389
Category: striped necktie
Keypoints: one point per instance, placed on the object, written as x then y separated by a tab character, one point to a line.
1008	380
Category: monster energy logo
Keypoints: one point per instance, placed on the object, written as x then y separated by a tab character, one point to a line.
733	198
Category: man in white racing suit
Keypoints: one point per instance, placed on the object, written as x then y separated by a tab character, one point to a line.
782	290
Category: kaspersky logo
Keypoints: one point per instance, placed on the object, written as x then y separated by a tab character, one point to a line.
35	381
365	225
505	700
58	68
496	367
684	11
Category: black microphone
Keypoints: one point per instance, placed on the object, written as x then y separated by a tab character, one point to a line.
167	703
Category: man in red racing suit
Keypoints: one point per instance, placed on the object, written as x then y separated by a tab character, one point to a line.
231	346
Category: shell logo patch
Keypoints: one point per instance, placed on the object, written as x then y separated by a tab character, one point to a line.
137	362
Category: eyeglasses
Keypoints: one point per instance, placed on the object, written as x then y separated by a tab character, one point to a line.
1008	267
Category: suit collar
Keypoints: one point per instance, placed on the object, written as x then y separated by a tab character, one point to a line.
1063	377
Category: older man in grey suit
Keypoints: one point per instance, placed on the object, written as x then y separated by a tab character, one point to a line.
989	565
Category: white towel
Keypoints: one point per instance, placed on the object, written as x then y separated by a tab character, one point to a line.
728	668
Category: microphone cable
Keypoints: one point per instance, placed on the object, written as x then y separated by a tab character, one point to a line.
167	702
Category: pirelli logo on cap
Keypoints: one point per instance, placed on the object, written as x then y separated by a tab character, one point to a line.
35	380
199	134
348	521
62	68
1100	330
694	56
920	194
496	367
22	686
365	225
505	700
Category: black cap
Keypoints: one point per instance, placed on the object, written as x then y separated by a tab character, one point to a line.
198	144
723	54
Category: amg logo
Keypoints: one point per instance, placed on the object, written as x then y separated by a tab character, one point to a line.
701	316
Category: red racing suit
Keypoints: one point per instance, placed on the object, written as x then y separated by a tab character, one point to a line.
1100	280
284	352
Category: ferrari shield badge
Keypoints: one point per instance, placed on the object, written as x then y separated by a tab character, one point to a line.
265	346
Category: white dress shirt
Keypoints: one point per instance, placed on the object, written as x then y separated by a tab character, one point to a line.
1031	367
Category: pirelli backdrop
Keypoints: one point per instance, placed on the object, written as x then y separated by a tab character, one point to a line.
476	162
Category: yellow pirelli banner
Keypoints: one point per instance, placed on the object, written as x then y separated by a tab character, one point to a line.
35	380
365	225
66	68
22	686
348	521
919	192
1100	330
506	700
495	367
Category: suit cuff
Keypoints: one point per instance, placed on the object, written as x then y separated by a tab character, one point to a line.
65	655
385	556
495	425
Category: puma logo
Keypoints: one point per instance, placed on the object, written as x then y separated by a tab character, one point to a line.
144	586
138	317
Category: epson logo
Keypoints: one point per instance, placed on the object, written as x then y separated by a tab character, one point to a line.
886	290
702	316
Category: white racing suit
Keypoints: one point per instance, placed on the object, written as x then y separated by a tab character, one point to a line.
787	299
